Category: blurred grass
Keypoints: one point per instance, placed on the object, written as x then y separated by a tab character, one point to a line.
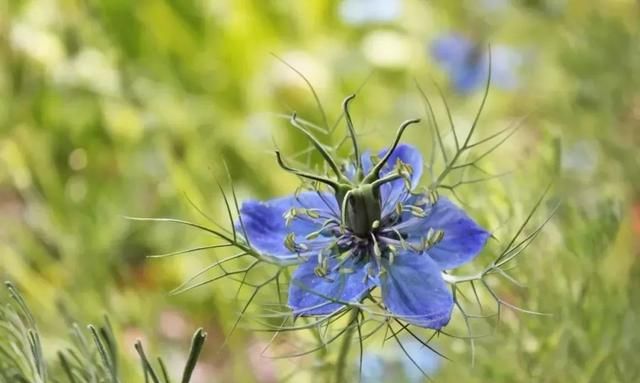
113	108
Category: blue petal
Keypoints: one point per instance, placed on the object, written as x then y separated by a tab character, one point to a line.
413	289
367	165
310	294
451	51
266	227
506	63
463	238
469	78
456	54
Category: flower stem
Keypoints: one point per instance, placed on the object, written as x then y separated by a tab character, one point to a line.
346	345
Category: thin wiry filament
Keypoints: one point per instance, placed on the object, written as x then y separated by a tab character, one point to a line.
389	178
321	149
352	133
303	174
375	172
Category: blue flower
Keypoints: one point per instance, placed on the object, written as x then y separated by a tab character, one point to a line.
467	63
375	229
391	364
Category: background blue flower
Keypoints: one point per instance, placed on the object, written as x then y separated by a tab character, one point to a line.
391	363
467	63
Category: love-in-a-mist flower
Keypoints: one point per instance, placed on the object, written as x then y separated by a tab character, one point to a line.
466	62
372	226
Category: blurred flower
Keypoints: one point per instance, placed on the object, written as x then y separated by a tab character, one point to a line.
264	369
581	158
635	217
376	230
387	49
173	324
37	43
78	159
373	367
92	69
393	365
426	359
467	63
358	12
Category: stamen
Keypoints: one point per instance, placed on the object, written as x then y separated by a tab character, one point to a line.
377	253
322	230
434	237
344	258
433	197
289	216
368	274
403	243
399	209
311	213
404	167
297	212
415	211
346	270
291	244
322	269
392	253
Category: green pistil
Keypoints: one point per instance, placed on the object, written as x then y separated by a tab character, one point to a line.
359	199
362	209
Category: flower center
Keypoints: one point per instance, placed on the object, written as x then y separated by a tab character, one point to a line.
363	210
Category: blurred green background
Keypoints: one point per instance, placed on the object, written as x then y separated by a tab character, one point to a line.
112	107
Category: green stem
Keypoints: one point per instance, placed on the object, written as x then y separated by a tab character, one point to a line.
341	364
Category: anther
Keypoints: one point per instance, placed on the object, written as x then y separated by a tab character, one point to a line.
433	197
416	211
434	237
291	244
